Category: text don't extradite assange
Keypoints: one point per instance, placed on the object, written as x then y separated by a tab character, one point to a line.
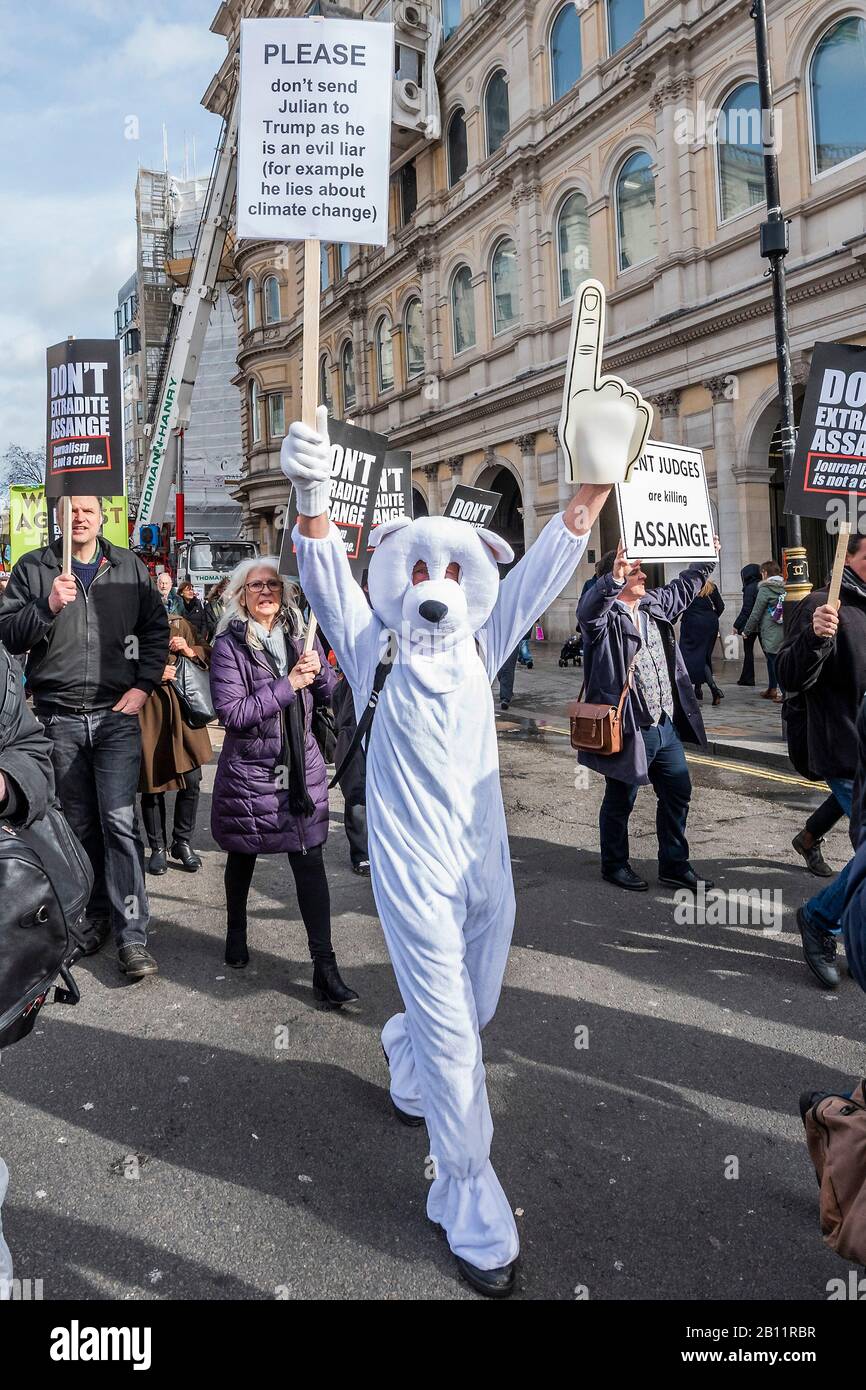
301	55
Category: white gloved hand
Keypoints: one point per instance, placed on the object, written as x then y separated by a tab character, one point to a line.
604	425
305	458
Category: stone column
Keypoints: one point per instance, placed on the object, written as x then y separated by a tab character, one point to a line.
446	485
357	319
431	473
427	265
526	444
666	423
727	576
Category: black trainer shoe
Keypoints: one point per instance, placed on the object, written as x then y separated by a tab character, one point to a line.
95	933
136	962
685	878
815	861
625	877
819	949
362	868
492	1283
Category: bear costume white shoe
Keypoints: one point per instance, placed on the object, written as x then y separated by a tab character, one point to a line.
439	855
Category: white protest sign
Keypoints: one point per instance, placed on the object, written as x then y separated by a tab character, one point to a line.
664	508
314	136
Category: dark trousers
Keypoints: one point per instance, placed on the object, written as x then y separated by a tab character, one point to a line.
747	675
311	885
669	775
185	808
353	785
506	677
824	817
97	758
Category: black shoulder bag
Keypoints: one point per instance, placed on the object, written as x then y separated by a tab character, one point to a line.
362	732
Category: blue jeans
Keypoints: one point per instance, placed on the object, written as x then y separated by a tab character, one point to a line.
669	775
97	758
506	677
825	908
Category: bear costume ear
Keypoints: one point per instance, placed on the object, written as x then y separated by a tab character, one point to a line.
502	552
378	534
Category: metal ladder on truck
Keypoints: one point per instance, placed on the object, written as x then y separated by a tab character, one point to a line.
195	301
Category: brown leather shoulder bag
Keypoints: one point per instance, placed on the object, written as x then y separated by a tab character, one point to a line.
598	728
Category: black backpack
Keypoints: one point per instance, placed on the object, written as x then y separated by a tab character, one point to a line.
45	883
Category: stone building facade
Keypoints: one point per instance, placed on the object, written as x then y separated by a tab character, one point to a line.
619	138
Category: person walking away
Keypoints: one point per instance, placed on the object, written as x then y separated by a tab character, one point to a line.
628	636
699	631
190	606
751	578
353	782
172	756
823	659
97	641
271	789
765	622
214	607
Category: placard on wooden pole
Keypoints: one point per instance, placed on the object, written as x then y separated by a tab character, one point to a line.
310	359
845	529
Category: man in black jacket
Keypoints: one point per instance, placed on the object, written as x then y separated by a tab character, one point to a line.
26	774
823	658
98	643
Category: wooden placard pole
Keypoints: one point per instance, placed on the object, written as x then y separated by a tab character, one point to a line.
66	523
845	529
310	360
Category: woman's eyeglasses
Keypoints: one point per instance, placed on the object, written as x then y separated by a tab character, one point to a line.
272	585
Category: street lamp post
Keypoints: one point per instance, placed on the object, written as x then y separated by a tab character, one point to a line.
774	247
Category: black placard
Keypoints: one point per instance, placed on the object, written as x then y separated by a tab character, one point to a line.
472	504
84	428
369	484
830	457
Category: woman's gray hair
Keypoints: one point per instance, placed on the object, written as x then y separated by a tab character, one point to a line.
234	594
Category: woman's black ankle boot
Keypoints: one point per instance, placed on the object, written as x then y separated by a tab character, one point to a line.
328	987
237	955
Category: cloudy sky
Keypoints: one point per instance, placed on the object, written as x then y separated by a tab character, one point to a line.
72	73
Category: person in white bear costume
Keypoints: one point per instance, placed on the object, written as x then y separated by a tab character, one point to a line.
439	857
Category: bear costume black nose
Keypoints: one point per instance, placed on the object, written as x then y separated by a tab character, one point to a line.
431	610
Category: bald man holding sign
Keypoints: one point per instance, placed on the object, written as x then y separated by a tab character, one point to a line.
438	843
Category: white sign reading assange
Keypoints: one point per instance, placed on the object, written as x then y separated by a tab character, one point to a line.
314	135
664	508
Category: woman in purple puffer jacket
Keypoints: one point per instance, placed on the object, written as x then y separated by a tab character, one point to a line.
270	795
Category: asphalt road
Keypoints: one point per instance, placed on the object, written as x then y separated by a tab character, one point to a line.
214	1134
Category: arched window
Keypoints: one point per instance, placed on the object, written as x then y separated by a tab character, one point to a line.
636	211
344	251
458	155
276	415
271	292
565	59
347	363
450	17
740	151
624	18
326	267
384	354
463	309
496	110
255	420
325	382
837	83
414	333
573	242
251	304
504	278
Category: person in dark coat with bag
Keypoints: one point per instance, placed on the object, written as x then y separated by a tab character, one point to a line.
699	631
271	789
628	636
751	578
823	660
172	757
